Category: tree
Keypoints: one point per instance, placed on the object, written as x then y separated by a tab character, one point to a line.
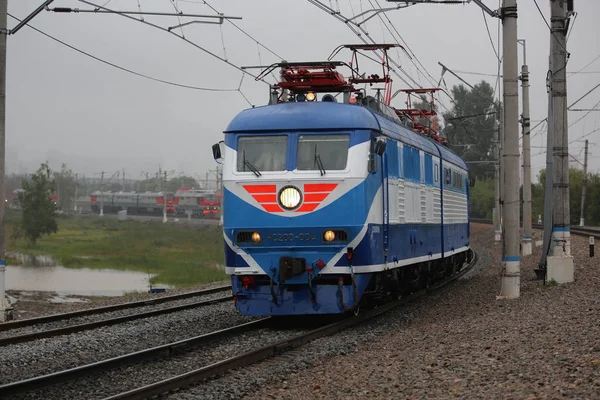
150	184
592	208
481	199
65	188
38	217
470	127
183	181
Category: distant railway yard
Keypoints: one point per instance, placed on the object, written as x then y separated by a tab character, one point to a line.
456	342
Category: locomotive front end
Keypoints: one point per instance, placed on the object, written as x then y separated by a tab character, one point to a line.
296	204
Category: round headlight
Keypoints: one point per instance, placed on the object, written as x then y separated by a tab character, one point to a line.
256	237
289	197
329	236
311	96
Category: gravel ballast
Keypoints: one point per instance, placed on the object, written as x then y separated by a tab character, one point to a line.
112	314
458	343
102	385
44	356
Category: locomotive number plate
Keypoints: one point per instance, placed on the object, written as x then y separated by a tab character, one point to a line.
288	237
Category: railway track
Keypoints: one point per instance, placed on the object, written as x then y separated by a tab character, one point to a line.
218	365
79	327
576	230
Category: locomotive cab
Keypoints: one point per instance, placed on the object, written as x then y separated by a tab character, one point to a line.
296	198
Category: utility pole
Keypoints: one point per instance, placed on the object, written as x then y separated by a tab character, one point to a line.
559	265
527	240
165	198
123	179
102	194
501	182
147	175
547	235
584	188
5	309
510	195
75	193
496	212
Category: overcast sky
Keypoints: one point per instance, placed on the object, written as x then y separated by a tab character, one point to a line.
63	106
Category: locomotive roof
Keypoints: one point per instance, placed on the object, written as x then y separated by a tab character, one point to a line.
303	116
322	116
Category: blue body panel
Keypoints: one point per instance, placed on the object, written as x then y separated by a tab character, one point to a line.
382	245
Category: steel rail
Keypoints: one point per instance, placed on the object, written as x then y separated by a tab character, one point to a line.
218	367
201	374
116	307
127	359
28	337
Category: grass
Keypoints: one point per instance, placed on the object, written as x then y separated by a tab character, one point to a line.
178	255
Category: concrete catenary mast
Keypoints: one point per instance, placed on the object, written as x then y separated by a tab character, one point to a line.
5	310
527	239
584	188
501	172
510	208
509	173
559	265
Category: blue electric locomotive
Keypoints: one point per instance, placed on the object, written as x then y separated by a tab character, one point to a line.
327	204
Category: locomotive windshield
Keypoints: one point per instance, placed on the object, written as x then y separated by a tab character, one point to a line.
263	153
327	152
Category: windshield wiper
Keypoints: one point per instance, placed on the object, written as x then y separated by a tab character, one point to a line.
252	167
319	162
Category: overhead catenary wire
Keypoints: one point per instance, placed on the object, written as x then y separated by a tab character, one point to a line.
360	32
587	65
499	75
239	68
549	28
178	17
476	73
487	28
123	68
197	46
244	32
412	56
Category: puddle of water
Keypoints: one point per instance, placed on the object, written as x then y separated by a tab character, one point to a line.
80	281
63	299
